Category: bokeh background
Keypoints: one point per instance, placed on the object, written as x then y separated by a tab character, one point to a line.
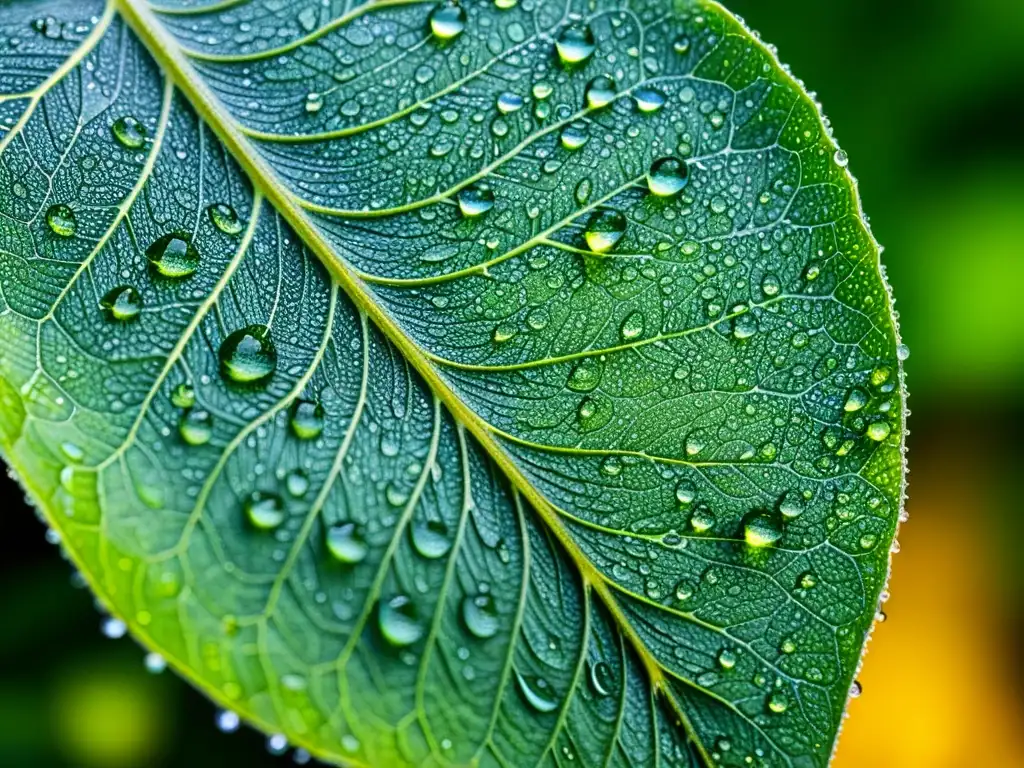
928	100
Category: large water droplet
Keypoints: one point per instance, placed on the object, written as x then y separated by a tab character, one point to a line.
778	703
879	430
537	692
248	355
173	255
447	20
632	327
264	510
744	326
430	539
196	426
225	218
399	622
184	395
702	520
604	230
602	679
668	176
727	658
586	375
307	421
600	92
685	492
61	220
476	200
576	44
791	505
346	543
574	136
481	616
856	400
762	530
129	132
649	100
122	304
509	102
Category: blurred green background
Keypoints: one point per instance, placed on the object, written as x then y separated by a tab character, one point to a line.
927	97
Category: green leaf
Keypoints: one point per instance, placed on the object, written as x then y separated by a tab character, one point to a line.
496	384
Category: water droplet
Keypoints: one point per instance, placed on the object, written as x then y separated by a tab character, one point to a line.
600	92
762	530
856	690
537	692
727	658
225	218
196	426
264	510
770	285
129	132
879	430
248	355
605	229
314	102
154	663
744	326
447	20
791	506
681	45
346	543
476	200
611	466
509	102
632	327
685	492
576	44
668	176
430	539
297	483
399	622
841	158
574	137
122	304
649	100
856	400
586	375
113	628
702	520
173	255
503	333
307	421
184	395
902	351
481	616
61	220
504	5
602	679
778	703
396	496
227	721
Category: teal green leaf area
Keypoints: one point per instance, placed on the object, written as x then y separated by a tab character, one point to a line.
503	383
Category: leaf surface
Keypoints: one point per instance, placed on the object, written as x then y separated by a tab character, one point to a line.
497	384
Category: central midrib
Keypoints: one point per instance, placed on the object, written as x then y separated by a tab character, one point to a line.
167	52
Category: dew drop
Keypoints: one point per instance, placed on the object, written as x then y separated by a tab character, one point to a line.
476	200
902	352
879	430
129	132
196	426
399	622
808	581
791	506
184	395
761	530
600	92
481	616
537	692
225	218
702	520
856	400
685	492
509	102
681	45
430	539
173	255
841	158
447	20
346	544
307	419
727	658
586	375
61	220
297	483
227	721
856	690
649	100
778	703
604	230
575	45
602	679
314	102
264	510
744	326
770	285
668	176
632	327
574	136
248	355
122	304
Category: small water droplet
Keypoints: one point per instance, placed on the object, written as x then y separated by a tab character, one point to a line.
879	430
681	45
744	326
791	506
574	136
600	92
447	20
685	492
480	615
632	327
227	721
902	352
113	628
841	158
777	702
61	220
297	483
856	400
509	102
604	230
264	510
702	520
649	100
307	419
476	200
248	355
196	426
668	176
129	132
856	690
586	375
225	218
399	622
537	692
762	530
173	255
576	44
430	539
122	304
602	679
314	102
184	395
808	581
346	543
155	663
